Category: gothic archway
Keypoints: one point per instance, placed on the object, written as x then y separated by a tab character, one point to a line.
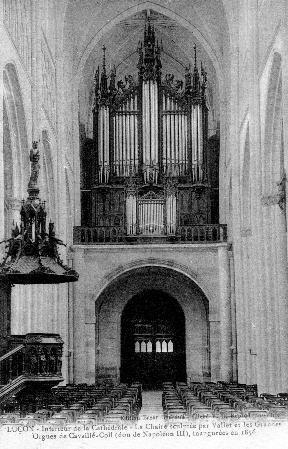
153	287
152	340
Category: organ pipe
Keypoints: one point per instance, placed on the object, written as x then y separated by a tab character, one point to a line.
136	148
200	143
181	143
151	216
136	124
131	213
121	140
168	138
194	141
126	140
150	130
103	145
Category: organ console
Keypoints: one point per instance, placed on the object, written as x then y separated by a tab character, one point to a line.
149	166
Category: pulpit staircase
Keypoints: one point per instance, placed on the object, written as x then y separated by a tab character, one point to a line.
30	365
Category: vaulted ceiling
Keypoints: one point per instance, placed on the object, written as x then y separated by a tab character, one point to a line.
119	25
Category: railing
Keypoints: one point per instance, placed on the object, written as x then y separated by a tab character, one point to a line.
100	234
202	233
210	233
37	355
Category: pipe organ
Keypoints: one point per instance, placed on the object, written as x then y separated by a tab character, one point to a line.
125	139
150	148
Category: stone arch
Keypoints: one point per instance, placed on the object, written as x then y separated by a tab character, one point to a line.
202	35
273	137
168	264
221	80
150	321
111	303
162	10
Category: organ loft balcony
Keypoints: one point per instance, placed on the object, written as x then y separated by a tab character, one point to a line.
150	172
210	233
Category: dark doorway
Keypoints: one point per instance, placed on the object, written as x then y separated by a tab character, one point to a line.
153	340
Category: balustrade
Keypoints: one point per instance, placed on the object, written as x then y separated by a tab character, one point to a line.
100	234
210	233
203	233
36	355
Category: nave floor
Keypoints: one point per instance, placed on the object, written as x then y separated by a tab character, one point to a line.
151	406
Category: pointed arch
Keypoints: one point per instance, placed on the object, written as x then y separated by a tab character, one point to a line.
273	137
15	144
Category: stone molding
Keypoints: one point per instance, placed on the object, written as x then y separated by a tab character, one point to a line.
277	198
246	232
270	200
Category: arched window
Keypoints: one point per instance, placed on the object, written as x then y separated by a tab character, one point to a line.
149	346
170	346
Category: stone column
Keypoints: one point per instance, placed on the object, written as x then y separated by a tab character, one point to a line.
233	319
215	339
282	280
18	298
79	360
2	62
282	234
225	315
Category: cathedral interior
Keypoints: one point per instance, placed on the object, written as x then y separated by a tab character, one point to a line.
143	195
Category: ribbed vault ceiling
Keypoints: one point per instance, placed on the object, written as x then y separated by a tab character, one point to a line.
92	24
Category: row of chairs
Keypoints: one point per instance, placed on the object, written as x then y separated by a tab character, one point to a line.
66	395
83	405
220	400
238	400
211	397
173	407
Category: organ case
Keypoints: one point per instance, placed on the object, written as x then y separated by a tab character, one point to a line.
149	172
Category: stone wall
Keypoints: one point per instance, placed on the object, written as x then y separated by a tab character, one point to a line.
111	275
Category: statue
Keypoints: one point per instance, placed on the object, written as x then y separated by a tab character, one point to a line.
33	189
43	362
52	363
169	79
33	361
121	85
179	85
35	166
59	361
130	81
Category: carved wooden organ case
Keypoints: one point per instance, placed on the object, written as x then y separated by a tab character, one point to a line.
149	164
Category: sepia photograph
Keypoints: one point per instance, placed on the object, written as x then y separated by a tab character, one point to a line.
143	224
